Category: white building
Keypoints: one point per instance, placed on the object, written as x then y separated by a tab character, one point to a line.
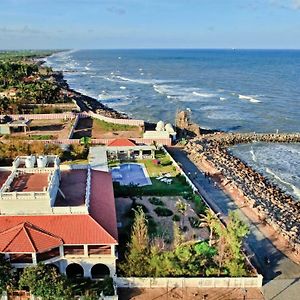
58	215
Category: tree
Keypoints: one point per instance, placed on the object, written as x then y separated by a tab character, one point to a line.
230	243
6	275
137	259
45	282
209	220
181	207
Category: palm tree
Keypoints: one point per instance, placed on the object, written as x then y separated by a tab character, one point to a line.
209	220
181	207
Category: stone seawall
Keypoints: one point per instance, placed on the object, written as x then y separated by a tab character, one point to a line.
270	203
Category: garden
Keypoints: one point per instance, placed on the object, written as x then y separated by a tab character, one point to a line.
166	179
147	254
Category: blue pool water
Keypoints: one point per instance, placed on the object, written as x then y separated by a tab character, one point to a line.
127	174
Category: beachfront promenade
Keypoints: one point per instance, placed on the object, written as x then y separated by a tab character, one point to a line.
285	272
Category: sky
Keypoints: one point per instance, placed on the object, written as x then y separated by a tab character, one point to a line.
110	24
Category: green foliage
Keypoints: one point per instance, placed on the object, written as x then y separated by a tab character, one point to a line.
176	218
195	222
137	256
11	149
45	282
91	289
187	259
157	188
112	127
203	248
6	274
163	211
156	201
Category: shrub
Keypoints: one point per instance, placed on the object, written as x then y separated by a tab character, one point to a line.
176	218
45	282
195	222
163	211
166	163
156	201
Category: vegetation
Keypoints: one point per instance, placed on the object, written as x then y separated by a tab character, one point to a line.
24	83
163	211
148	257
45	282
156	201
91	289
178	187
10	150
100	125
6	275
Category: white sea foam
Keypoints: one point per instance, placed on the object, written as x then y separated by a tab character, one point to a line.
295	189
249	98
254	158
223	98
122	87
204	95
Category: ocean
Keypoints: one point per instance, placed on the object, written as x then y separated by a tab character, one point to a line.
230	90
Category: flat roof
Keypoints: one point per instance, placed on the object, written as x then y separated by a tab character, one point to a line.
73	185
17	123
3	176
30	182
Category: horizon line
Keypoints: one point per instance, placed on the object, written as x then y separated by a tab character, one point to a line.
150	48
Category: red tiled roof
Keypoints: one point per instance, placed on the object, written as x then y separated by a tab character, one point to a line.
35	233
28	238
73	229
121	143
102	202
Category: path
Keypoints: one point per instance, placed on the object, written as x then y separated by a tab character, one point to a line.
282	276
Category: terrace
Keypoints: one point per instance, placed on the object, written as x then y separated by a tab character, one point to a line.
44	187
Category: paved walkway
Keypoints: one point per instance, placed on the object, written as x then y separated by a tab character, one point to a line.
286	274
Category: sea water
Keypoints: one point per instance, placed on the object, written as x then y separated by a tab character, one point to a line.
230	90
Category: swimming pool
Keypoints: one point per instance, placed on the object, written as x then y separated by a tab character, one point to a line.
131	173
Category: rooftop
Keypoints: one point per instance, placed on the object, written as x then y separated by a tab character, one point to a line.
121	143
23	233
30	182
73	186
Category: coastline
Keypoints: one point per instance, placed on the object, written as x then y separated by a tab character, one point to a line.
275	212
88	103
241	200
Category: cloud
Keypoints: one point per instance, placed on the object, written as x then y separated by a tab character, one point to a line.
116	10
296	4
22	30
288	4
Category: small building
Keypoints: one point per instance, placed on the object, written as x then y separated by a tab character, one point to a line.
15	126
128	149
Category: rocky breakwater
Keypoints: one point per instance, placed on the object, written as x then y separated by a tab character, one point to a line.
270	203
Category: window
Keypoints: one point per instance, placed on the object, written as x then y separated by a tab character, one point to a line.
47	255
99	250
20	258
74	250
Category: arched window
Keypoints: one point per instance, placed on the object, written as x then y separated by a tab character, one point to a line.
99	271
74	271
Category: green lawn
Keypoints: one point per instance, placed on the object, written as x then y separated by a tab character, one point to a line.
176	188
100	125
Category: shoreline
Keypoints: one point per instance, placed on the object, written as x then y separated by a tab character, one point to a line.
263	202
240	200
88	103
